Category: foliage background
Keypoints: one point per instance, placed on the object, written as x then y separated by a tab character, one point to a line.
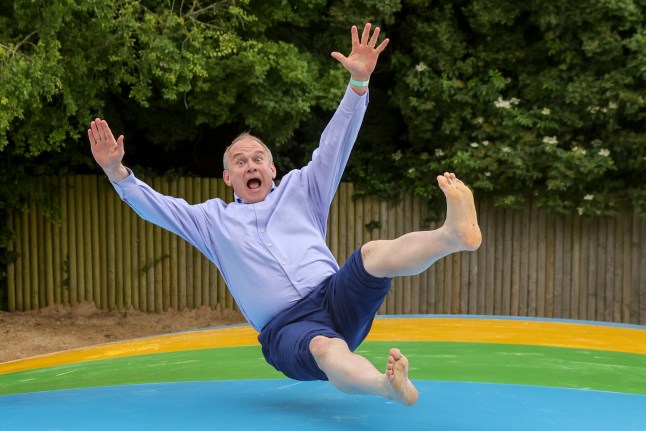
535	99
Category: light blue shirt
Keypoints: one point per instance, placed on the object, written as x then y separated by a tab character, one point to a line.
273	253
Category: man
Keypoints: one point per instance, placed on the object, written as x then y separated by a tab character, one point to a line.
269	244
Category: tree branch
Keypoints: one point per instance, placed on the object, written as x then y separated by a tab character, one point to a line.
24	40
15	48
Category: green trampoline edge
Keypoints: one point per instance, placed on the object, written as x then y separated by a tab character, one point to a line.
440	361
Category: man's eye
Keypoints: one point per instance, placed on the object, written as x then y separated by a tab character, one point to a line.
239	163
259	159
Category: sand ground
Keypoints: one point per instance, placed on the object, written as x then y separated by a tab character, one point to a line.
57	328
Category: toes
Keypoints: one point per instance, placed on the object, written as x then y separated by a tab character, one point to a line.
447	176
448	179
393	360
395	353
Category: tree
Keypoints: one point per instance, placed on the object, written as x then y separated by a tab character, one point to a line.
539	99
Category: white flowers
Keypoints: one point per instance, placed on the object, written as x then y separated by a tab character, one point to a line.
550	140
546	111
553	140
596	109
439	152
500	103
421	67
506	104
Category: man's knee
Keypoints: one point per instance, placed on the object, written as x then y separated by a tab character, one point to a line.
368	249
322	347
370	253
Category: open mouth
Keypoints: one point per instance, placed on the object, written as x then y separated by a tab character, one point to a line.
254	183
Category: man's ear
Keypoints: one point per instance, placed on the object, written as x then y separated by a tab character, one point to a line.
226	177
273	171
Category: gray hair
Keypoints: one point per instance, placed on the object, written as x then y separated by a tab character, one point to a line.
241	136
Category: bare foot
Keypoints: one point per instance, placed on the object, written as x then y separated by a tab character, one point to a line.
401	388
461	217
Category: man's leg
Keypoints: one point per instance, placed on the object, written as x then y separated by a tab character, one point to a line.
415	252
409	254
354	374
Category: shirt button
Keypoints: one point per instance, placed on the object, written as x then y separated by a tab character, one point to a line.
269	244
283	263
262	231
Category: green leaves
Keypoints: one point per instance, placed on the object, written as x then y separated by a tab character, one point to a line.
536	99
540	99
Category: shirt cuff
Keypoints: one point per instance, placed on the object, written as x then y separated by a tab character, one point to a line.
351	99
121	186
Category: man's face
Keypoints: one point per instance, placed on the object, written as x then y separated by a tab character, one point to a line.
249	172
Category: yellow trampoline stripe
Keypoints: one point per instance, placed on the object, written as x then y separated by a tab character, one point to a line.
473	330
194	340
512	331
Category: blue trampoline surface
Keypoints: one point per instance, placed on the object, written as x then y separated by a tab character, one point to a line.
285	404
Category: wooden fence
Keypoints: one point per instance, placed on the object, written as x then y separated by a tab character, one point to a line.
530	263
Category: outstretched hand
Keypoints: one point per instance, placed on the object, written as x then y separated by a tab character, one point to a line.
107	151
362	60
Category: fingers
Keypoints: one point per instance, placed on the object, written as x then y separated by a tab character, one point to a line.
366	34
339	57
94	132
90	136
382	46
362	59
99	130
375	36
104	130
373	41
354	34
366	38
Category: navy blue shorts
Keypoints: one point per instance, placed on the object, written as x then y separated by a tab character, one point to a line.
343	306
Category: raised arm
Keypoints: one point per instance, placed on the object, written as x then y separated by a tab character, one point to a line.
107	151
362	60
173	214
330	158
